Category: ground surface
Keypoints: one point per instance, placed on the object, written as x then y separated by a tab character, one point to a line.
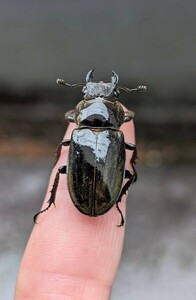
159	260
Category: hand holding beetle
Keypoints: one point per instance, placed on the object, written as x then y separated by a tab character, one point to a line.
72	255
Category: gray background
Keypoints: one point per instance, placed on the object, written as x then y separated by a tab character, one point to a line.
152	41
145	42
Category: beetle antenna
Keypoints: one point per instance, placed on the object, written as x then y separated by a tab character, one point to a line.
140	88
75	85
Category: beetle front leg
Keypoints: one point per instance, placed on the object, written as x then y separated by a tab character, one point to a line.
129	175
133	148
58	150
61	170
70	116
129	115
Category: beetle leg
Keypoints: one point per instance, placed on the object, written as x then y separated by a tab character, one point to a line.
125	188
61	170
122	222
70	116
58	149
128	115
130	146
133	163
134	157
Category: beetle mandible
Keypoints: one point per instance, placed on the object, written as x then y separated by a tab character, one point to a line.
96	162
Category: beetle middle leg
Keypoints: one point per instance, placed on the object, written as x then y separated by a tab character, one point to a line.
61	170
133	148
129	175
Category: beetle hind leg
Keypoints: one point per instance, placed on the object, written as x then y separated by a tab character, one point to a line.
61	170
129	175
122	222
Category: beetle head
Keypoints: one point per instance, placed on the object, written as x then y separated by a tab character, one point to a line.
100	89
109	90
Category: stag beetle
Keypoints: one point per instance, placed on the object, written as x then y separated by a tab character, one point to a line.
96	162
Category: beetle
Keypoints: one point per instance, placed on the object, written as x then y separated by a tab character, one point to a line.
96	161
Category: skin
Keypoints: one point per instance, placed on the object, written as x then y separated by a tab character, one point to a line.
70	255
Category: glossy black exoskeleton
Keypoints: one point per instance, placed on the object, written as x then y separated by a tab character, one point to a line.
96	162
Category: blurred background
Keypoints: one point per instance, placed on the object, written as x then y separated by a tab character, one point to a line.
145	42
